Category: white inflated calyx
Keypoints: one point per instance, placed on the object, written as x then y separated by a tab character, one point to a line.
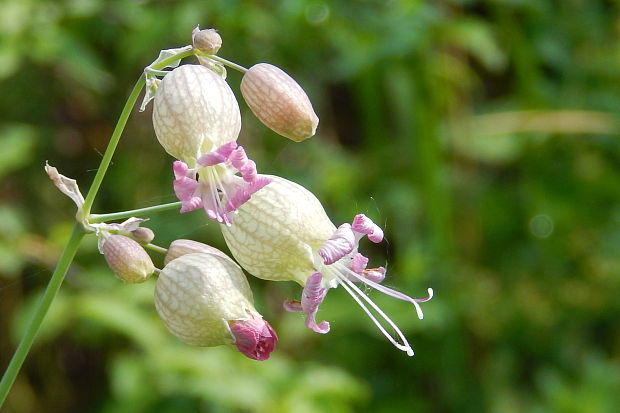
283	233
268	243
197	294
194	112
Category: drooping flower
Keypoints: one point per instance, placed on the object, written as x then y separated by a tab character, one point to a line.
196	118
205	300
283	233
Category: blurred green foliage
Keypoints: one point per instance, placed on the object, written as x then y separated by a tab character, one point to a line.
482	134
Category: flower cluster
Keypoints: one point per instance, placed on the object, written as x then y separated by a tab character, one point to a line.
274	228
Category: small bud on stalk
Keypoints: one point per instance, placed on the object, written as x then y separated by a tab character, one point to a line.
205	300
279	102
142	235
206	41
127	259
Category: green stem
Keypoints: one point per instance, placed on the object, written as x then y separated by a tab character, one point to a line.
96	218
37	318
156	248
225	62
118	130
116	136
76	236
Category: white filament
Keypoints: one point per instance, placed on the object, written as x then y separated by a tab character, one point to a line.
356	293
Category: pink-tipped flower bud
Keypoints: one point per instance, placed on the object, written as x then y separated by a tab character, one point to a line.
206	41
142	235
182	247
279	102
127	259
205	300
254	337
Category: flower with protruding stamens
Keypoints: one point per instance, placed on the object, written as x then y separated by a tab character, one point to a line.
205	300
283	233
213	183
196	119
195	112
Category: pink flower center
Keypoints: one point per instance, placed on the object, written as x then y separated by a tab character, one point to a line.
214	185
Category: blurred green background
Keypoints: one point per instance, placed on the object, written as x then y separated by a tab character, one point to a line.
482	135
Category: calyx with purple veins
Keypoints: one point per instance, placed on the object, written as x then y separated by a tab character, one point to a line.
194	112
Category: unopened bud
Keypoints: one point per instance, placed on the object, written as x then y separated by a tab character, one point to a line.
279	102
142	235
182	247
207	41
127	259
205	300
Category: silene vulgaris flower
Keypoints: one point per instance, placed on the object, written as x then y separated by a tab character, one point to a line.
204	299
197	120
283	233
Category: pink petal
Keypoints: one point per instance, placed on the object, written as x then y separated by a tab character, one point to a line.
364	225
180	169
359	263
254	337
311	297
339	245
244	193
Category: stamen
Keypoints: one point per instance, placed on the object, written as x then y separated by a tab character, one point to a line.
214	211
389	291
356	293
374	274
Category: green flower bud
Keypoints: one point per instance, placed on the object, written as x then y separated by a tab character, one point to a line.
142	235
207	41
279	102
127	259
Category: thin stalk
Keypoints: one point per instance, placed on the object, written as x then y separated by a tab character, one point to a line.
96	218
156	248
37	318
118	131
225	62
109	152
76	236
